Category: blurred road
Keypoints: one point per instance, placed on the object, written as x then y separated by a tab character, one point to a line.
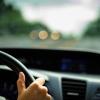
27	42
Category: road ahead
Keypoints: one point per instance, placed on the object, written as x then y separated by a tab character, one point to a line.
27	42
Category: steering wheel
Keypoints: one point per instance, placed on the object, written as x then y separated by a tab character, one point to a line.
16	66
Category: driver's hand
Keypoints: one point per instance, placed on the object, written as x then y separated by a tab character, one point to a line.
35	91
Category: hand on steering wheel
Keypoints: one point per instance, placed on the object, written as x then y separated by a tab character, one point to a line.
35	91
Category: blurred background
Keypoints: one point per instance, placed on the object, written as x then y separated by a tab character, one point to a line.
50	24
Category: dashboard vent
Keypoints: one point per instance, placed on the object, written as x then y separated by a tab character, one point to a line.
73	89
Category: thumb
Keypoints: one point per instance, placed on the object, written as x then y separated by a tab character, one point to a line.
21	83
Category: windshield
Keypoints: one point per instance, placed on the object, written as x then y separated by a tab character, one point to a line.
50	24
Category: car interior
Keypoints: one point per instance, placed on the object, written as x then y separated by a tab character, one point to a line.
68	58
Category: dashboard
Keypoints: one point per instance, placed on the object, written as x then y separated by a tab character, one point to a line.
58	60
69	74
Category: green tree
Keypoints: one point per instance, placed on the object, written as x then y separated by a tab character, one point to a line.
93	28
11	22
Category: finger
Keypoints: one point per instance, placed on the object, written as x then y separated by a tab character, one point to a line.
49	97
22	76
21	83
44	90
35	86
40	81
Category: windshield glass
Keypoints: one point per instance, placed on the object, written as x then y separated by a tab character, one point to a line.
51	24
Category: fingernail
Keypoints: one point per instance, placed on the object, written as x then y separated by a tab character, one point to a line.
20	75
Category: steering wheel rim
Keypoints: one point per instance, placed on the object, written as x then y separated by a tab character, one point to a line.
16	66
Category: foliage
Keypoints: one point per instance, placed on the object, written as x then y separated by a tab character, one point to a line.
93	28
11	22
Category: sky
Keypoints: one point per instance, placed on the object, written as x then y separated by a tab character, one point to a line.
67	16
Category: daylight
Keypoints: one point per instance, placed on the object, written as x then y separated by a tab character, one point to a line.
70	18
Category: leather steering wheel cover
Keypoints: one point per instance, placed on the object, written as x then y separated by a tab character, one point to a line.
16	66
